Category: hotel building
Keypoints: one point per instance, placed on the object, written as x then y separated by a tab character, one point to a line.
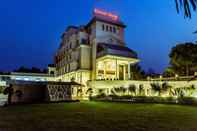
96	51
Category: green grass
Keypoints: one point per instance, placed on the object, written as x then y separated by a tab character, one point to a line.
99	116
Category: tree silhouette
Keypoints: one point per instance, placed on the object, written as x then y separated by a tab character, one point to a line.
186	6
183	58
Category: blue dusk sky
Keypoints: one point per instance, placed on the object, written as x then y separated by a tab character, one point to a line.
30	30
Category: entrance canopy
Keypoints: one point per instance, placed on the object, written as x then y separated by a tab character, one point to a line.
111	67
104	49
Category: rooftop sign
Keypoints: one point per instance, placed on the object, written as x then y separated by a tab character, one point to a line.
106	14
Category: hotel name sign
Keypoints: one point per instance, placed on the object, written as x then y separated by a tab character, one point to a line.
106	14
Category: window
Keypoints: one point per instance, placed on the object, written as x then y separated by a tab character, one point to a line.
114	29
77	42
107	28
103	27
68	67
110	29
70	56
70	45
99	49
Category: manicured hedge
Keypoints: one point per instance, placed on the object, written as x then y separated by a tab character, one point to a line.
147	99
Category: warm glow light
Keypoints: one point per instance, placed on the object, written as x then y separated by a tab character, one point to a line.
101	65
112	16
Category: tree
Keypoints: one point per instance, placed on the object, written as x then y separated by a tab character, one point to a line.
169	72
141	90
132	89
156	88
123	90
183	58
190	90
23	69
161	88
179	92
152	73
186	6
136	72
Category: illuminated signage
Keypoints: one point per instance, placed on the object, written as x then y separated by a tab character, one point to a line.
107	14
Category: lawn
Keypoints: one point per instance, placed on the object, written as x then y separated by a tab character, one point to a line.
98	116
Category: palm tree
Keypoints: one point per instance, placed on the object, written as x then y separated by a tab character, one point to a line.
113	92
132	89
179	92
156	88
191	90
186	6
123	90
141	90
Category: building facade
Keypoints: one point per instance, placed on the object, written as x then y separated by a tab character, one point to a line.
96	51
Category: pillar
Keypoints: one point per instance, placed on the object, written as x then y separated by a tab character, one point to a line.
124	72
104	70
116	69
129	71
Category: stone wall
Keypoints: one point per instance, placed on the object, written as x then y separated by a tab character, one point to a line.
28	93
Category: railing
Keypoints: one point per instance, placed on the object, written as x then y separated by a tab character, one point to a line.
179	78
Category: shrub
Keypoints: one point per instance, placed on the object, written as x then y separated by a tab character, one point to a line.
187	100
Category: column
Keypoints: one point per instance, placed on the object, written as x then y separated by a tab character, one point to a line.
104	70
116	69
129	71
124	72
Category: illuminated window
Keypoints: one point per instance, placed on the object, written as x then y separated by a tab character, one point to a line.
26	79
101	65
111	65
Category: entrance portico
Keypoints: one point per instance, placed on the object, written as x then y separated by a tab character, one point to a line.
110	67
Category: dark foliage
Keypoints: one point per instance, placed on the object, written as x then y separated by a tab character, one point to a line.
186	6
23	69
132	89
183	58
137	72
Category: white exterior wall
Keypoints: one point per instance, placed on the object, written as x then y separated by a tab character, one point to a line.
108	85
82	35
85	57
105	36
